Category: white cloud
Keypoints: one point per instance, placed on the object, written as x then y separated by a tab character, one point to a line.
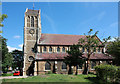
21	46
114	24
12	48
101	15
112	39
17	36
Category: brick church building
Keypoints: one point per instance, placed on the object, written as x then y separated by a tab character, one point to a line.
45	52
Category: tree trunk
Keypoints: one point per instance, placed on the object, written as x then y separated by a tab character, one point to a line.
70	70
76	71
88	63
86	66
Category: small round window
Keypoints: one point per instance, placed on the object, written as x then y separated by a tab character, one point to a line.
31	58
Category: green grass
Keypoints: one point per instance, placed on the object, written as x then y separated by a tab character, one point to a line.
7	74
57	78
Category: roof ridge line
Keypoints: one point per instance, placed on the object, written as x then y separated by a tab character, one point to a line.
63	34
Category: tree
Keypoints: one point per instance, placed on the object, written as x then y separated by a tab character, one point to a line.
4	51
90	42
17	59
7	62
113	48
74	57
2	17
6	56
3	48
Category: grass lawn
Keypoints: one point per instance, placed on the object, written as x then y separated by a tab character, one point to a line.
58	78
7	74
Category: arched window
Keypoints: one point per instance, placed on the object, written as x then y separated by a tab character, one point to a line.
32	21
44	49
64	66
28	21
58	49
94	49
63	49
99	49
83	49
79	66
87	50
93	63
47	66
103	51
41	49
36	21
50	49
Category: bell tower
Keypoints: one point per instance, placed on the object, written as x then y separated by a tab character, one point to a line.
32	33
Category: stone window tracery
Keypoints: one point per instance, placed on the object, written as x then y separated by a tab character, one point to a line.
44	49
93	63
32	21
50	49
83	49
99	49
28	21
36	21
63	49
79	66
64	66
47	66
58	49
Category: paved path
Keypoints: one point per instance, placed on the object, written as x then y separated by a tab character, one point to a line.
11	77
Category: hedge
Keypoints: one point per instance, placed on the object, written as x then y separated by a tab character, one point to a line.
7	74
108	72
118	76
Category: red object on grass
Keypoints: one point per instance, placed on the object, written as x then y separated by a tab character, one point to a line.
17	73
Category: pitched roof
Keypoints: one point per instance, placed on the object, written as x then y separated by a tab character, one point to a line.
44	56
59	39
98	56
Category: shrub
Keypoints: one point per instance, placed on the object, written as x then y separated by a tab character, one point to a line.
49	72
112	73
106	72
118	76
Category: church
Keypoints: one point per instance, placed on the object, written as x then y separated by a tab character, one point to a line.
44	53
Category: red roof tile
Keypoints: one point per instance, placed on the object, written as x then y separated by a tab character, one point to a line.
51	55
59	39
98	56
44	56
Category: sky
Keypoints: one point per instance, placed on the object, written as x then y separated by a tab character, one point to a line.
74	18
